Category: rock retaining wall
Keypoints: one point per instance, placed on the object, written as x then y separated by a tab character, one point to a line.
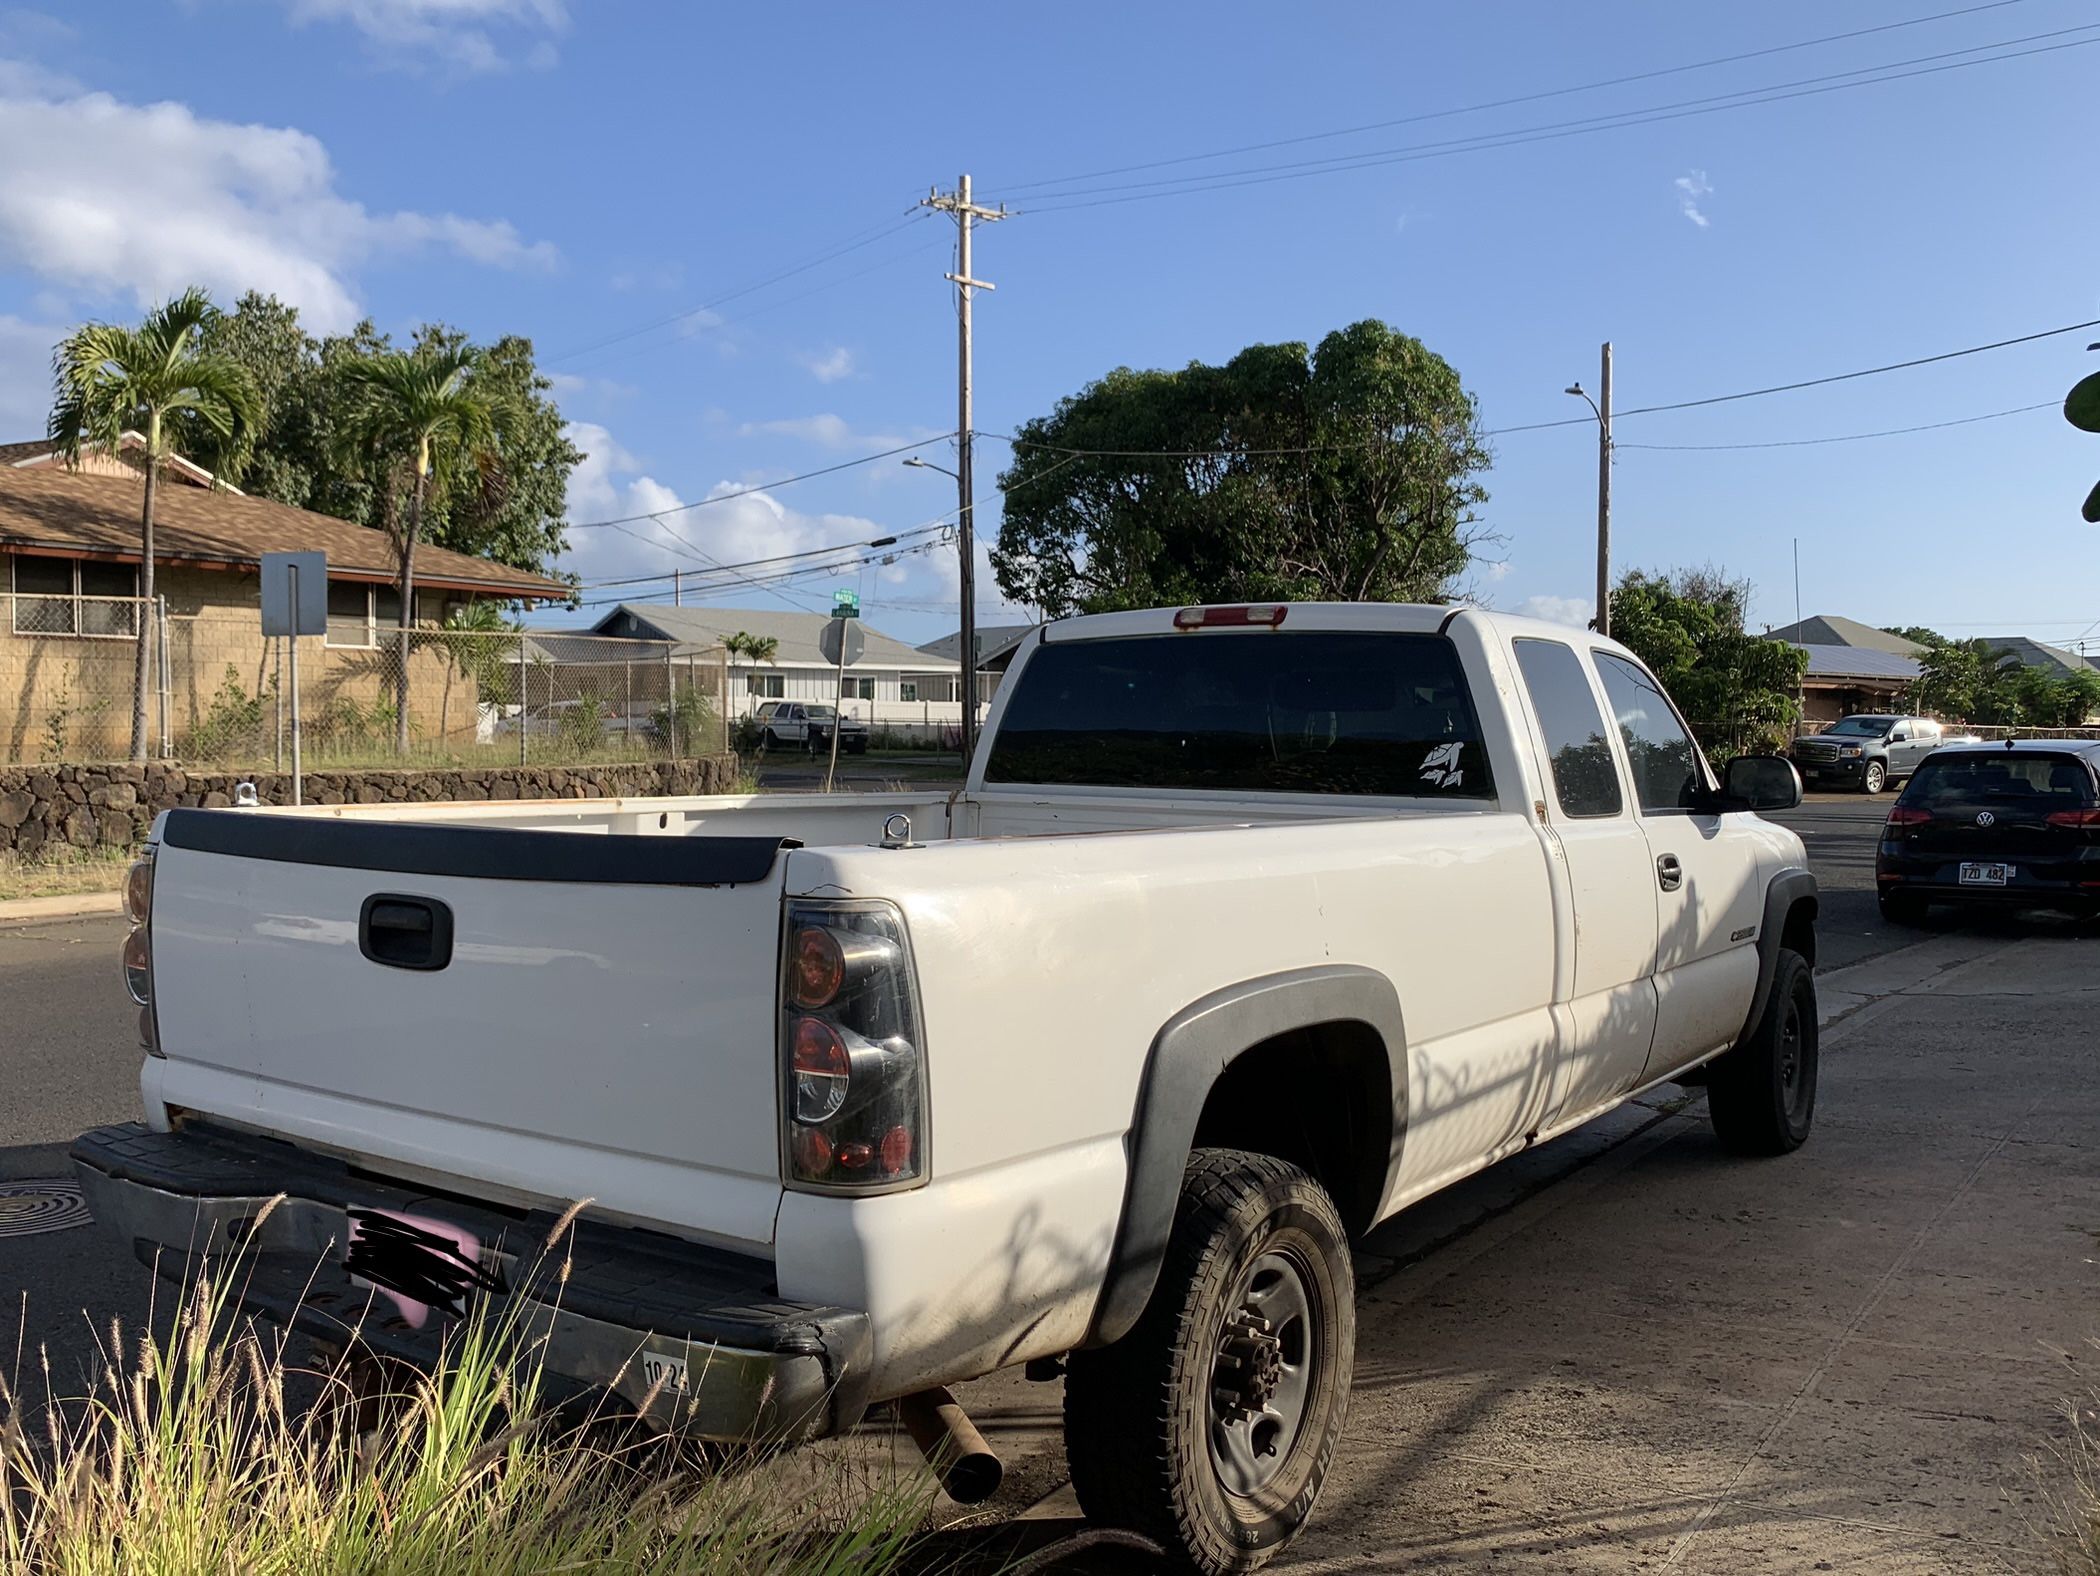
45	810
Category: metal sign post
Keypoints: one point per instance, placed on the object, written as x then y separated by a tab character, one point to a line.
295	603
841	642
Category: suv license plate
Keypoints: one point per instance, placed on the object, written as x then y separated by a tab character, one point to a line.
1985	875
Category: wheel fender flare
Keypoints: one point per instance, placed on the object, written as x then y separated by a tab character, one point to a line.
1784	890
1188	1055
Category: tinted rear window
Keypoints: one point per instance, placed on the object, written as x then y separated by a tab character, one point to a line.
1323	711
2047	782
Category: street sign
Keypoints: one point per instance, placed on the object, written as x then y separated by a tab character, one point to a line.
842	642
295	593
845	604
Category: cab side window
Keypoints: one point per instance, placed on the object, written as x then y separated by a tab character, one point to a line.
1666	771
1585	778
1900	734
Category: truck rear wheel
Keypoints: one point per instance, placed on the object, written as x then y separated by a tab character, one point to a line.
1762	1094
1209	1427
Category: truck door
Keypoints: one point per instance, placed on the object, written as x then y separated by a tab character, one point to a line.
1705	877
1903	752
1607	1007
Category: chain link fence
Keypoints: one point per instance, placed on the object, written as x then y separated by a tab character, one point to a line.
219	691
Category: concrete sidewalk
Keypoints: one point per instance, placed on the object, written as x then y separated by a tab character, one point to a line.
1651	1356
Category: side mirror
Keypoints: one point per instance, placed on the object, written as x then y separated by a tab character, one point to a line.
1761	782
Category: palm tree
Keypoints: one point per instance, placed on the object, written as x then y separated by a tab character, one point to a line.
112	380
419	417
753	648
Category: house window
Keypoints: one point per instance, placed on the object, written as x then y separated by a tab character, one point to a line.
769	686
72	596
357	612
927	687
349	613
860	689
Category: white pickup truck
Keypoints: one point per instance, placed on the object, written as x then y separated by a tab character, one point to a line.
1249	927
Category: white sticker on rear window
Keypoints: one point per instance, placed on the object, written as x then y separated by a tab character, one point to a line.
1440	766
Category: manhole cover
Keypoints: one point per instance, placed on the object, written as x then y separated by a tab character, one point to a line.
30	1208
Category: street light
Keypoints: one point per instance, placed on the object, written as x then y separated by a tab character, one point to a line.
1603	414
967	636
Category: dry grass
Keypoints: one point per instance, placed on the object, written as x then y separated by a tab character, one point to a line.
77	871
2078	1502
190	1458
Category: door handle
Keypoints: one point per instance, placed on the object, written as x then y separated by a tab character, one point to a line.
1669	872
405	932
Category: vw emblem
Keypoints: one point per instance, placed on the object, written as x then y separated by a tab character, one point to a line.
1985	818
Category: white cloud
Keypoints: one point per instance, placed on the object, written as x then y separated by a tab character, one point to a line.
146	199
610	485
1690	189
466	35
582	385
1574	610
834	364
1499	569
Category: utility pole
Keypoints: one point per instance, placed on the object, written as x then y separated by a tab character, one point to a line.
1604	494
966	213
678	588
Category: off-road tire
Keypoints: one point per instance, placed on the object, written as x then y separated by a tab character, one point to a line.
1761	1095
1139	1413
1902	908
1873	778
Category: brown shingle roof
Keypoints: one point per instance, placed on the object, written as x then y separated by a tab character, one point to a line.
11	452
98	516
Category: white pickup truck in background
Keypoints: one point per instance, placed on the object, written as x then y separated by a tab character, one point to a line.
1249	927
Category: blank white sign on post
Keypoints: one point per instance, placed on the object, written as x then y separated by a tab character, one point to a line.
295	593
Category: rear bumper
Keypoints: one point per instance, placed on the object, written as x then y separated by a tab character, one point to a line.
613	1308
2038	883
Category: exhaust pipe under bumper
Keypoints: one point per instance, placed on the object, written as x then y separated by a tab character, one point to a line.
968	1471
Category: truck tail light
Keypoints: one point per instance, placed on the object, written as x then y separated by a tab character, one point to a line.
853	1097
138	947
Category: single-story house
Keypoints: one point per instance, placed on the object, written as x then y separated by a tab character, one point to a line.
1844	679
69	573
892	686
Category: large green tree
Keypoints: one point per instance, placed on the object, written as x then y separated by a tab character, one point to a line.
1738	691
1350	472
152	379
300	456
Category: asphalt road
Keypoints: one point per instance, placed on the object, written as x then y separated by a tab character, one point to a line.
69	1061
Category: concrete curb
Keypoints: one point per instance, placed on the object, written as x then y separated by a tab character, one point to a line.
27	910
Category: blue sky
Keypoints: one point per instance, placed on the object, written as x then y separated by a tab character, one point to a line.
577	172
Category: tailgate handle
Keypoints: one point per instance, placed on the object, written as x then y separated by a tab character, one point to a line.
405	932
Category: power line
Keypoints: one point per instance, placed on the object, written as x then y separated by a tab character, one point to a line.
1850	437
760	563
746	492
777	303
1643	410
861	239
1864	372
1776	93
1508	103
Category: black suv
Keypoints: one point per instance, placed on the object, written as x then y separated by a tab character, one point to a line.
1867	751
2014	824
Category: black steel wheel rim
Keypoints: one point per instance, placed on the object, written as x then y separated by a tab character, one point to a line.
1263	1372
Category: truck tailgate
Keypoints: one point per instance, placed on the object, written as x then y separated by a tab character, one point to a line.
603	1028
